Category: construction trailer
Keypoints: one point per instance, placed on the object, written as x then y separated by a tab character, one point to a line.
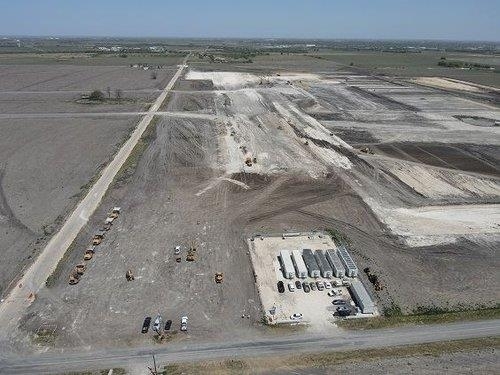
300	266
324	266
337	266
287	264
350	267
311	264
361	297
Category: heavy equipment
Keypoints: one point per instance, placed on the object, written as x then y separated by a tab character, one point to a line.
190	257
219	277
97	239
74	278
129	275
80	268
89	253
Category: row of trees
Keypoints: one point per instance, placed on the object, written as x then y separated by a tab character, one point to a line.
99	96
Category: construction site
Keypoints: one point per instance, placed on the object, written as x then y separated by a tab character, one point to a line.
395	169
298	285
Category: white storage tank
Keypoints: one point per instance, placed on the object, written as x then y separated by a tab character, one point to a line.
300	266
286	264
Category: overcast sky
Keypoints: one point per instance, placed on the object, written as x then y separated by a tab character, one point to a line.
366	19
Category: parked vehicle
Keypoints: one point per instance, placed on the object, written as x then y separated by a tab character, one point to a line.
184	323
157	323
168	324
339	302
177	250
313	285
298	284
145	325
344	311
320	285
281	287
291	287
328	285
331	293
306	287
296	316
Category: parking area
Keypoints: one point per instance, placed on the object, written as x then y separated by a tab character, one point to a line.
315	301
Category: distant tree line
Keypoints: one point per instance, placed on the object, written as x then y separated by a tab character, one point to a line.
462	64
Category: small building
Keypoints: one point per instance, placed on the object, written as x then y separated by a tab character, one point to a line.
361	297
335	263
346	259
324	266
286	264
311	264
300	266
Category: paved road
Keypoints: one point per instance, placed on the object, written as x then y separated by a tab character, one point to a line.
34	278
191	351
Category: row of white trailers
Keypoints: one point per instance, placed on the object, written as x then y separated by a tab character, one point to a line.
320	263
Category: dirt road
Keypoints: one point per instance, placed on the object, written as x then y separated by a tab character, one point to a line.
141	357
34	278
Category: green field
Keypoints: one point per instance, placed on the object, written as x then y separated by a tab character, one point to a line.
419	64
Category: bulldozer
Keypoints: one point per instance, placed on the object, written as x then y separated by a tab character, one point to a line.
249	161
129	275
106	226
114	213
97	239
74	278
89	253
219	277
80	268
190	257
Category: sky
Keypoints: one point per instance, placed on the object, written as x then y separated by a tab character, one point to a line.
325	19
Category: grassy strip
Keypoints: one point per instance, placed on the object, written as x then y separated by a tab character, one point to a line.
327	360
431	317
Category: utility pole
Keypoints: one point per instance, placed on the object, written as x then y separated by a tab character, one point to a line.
155	370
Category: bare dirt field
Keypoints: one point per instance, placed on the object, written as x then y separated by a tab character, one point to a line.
52	145
78	77
242	152
44	167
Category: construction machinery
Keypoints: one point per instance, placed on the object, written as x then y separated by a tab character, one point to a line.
248	161
98	237
129	275
191	253
114	213
74	278
80	268
219	277
89	253
106	227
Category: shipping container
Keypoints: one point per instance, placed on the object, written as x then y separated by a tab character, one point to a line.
311	264
337	266
361	297
300	266
346	259
286	264
324	266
